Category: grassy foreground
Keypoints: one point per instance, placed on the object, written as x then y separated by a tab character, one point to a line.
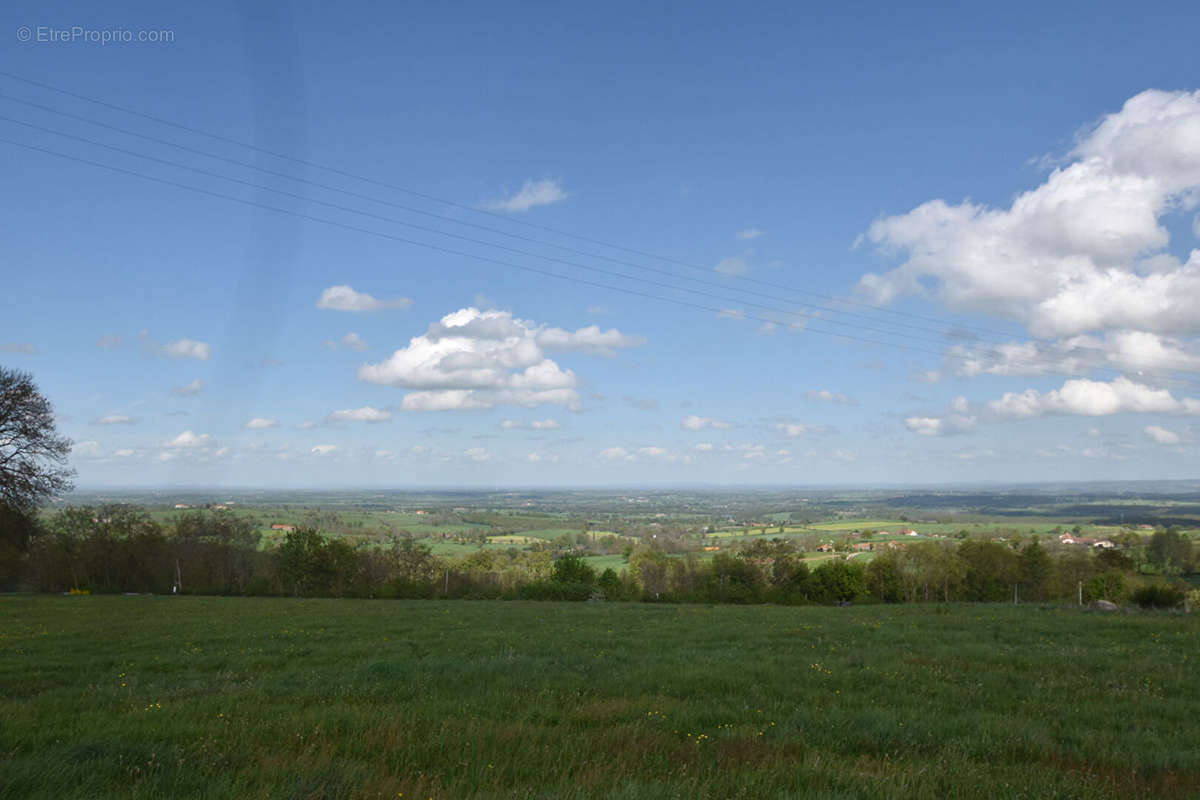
239	698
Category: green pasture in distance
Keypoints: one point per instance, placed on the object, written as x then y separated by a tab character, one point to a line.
600	563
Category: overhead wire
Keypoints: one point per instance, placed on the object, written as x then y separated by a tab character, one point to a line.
808	327
463	206
983	355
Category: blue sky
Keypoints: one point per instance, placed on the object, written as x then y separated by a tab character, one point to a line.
999	204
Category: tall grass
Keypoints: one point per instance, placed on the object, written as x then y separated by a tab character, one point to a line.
242	697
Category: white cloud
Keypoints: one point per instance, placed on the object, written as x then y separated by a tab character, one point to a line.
956	419
187	348
653	452
696	423
1085	250
355	342
23	348
750	233
704	447
477	454
541	458
324	449
188	390
118	419
826	396
615	454
734	265
344	298
123	453
474	359
793	429
531	195
1093	399
589	340
190	441
1132	351
260	423
1161	435
364	414
544	424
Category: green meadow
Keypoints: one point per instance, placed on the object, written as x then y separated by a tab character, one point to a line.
209	697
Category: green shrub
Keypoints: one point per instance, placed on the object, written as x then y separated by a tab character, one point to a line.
1158	595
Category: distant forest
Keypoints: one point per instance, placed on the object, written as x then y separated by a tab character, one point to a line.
117	549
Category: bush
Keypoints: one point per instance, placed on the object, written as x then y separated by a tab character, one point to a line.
1158	595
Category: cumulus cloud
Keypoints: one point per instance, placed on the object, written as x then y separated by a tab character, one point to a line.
541	458
703	447
793	429
615	454
188	390
118	419
323	449
1085	250
472	359
186	348
89	449
364	414
260	423
1093	399
190	441
345	298
956	419
1161	435
477	454
1137	352
531	195
826	396
693	422
589	340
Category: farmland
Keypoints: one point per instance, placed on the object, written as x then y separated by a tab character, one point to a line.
244	697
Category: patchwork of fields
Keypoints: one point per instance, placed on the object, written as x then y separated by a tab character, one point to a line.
236	698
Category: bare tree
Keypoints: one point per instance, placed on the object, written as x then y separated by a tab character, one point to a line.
33	457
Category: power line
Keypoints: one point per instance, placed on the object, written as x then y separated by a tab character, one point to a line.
983	355
463	206
440	248
483	258
398	206
468	239
414	210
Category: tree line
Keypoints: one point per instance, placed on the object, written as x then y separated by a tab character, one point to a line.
117	549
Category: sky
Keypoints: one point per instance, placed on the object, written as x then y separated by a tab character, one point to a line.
542	245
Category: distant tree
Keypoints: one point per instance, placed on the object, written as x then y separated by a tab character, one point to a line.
572	569
610	583
1035	570
1169	552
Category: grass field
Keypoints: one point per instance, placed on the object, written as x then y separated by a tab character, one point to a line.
243	698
